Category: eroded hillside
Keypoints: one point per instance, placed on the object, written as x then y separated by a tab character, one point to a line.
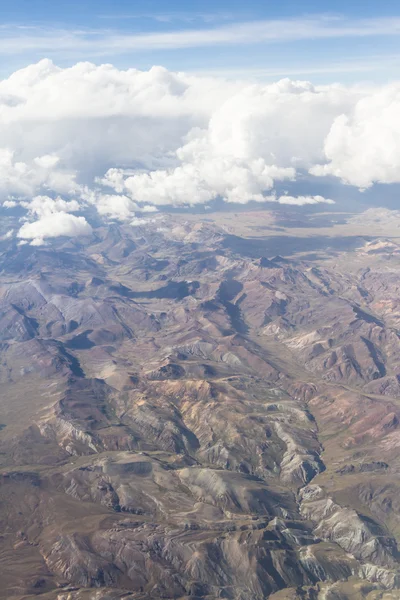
185	414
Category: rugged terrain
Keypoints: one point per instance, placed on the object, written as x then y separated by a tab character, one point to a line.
193	410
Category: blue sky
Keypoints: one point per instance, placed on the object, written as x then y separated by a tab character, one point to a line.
331	41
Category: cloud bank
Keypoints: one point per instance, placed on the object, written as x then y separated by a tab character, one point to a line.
127	142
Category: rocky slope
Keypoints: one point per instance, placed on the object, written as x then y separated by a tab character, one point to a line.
185	415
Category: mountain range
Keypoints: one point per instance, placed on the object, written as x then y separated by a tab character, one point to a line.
195	409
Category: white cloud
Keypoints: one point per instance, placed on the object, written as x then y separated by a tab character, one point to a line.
257	136
116	207
128	141
23	178
43	206
161	137
54	225
202	180
38	242
136	222
86	119
304	200
147	208
48	161
363	146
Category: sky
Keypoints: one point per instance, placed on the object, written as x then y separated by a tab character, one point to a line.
343	41
118	111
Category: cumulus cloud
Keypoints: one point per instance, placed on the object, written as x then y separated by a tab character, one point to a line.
363	146
148	208
9	204
95	116
257	136
43	206
54	225
22	179
115	207
110	206
202	180
128	141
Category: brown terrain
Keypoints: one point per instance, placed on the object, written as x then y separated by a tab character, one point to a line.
202	407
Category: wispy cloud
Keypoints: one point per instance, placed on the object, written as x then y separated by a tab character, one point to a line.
358	65
171	17
105	42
